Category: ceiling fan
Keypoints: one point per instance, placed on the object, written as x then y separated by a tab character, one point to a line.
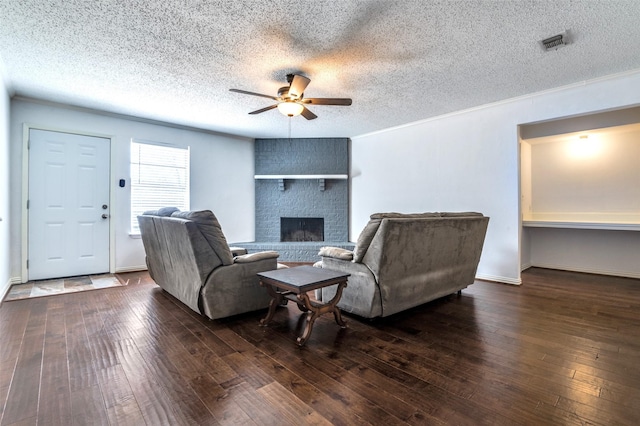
291	100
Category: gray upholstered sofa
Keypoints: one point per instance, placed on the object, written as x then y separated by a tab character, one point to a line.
404	260
188	256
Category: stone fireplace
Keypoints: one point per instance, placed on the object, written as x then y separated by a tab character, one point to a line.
301	178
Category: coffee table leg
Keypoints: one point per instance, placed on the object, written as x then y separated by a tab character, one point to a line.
334	302
338	317
276	299
316	310
311	318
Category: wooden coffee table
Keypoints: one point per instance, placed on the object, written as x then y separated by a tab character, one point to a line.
294	283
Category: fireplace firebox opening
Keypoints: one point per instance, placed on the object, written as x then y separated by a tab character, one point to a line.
301	229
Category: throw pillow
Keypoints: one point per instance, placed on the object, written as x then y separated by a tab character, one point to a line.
336	253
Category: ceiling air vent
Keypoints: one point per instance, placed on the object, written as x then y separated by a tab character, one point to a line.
555	42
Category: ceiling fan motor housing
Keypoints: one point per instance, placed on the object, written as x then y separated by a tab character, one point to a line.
283	93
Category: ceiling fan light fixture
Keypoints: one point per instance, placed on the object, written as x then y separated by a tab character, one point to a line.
290	109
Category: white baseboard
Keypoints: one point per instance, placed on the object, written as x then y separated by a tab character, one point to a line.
131	269
5	289
505	280
625	274
525	266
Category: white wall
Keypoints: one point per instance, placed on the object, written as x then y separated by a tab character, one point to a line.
469	161
595	251
5	275
599	174
222	168
525	203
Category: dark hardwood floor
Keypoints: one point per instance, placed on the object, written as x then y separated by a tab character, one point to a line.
563	348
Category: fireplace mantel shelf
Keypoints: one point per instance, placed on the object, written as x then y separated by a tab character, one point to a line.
301	176
282	178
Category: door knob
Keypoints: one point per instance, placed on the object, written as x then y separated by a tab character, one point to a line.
105	216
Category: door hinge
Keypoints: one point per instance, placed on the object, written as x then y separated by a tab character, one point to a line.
27	263
28	204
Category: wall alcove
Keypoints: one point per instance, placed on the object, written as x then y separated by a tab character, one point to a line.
580	193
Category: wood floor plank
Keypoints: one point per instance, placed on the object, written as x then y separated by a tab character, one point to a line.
156	406
511	395
82	375
290	407
88	407
13	323
561	349
219	401
122	407
329	404
54	405
322	376
258	408
198	327
159	364
520	374
22	398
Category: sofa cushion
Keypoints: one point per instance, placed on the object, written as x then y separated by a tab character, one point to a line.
336	253
460	214
211	230
364	239
369	231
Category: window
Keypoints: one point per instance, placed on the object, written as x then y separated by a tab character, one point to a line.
159	178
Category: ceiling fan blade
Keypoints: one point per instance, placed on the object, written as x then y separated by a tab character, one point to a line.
327	101
297	86
308	114
258	111
244	92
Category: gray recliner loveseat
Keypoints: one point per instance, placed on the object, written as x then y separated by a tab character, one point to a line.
188	256
404	260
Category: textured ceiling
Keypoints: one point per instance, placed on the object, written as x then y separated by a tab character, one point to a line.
400	61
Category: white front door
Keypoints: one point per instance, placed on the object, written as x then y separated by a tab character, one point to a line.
68	208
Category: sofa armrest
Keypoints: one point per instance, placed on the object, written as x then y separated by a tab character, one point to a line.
237	251
336	253
254	257
361	296
346	266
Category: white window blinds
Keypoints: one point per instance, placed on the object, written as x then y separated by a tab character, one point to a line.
159	178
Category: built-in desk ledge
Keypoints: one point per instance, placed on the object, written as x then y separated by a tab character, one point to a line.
282	178
604	221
